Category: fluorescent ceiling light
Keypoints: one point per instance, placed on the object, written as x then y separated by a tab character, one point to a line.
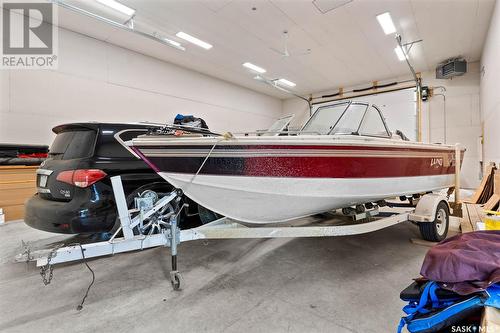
254	67
118	6
172	42
153	36
194	40
286	82
401	55
386	23
324	6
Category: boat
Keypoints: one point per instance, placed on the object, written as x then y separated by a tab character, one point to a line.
345	155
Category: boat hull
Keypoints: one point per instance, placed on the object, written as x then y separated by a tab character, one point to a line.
268	180
279	199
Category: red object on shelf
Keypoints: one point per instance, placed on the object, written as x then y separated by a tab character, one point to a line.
32	155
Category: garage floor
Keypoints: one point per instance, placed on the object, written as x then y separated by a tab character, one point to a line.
343	284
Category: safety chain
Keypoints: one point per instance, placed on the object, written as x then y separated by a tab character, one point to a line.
48	267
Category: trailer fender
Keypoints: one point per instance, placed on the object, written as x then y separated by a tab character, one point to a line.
426	207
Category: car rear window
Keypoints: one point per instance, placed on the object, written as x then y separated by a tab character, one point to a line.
107	146
70	145
112	150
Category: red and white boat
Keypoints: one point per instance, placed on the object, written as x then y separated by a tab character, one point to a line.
344	156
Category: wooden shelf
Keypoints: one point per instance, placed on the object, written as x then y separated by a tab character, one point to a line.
17	184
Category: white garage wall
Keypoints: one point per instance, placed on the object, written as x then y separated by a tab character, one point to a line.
463	115
463	122
490	93
97	81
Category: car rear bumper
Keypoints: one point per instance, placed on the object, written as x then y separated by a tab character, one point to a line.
72	217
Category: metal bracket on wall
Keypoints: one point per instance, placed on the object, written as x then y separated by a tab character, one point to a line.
273	83
409	45
406	48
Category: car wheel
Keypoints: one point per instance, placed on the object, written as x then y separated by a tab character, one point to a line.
153	225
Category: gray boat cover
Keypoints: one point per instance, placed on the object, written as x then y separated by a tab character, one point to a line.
465	263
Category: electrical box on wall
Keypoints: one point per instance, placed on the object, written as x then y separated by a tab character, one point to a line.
451	68
425	93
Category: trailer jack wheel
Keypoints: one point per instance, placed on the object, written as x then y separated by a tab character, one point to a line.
175	280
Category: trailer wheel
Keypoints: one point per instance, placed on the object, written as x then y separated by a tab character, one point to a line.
436	230
175	280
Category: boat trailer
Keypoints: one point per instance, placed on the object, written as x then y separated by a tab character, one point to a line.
147	208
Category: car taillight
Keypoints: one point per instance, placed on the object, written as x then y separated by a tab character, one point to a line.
82	177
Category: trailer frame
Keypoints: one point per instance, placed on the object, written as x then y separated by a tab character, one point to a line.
223	228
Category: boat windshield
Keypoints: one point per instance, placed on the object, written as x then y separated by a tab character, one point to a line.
347	118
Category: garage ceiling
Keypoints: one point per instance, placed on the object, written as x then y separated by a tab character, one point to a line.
348	46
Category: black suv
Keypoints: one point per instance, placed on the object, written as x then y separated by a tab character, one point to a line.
73	183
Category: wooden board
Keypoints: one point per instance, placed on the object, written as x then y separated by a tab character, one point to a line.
17	184
15	212
477	216
490	321
10	174
16	196
496	182
475	197
471	215
492	202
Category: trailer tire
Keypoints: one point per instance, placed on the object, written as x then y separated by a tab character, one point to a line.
436	230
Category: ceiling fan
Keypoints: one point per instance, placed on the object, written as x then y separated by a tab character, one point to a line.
285	53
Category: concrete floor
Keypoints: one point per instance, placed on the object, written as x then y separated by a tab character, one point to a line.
342	284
